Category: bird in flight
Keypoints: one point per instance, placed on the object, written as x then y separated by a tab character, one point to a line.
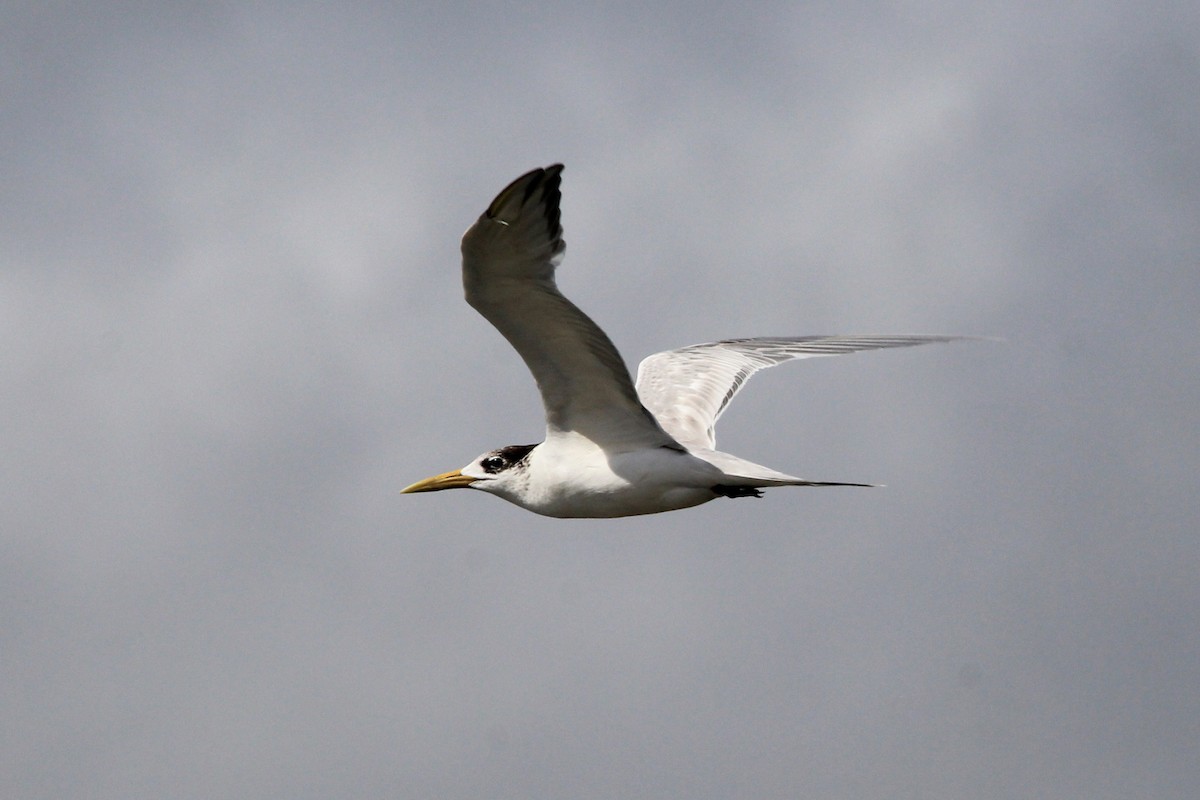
613	447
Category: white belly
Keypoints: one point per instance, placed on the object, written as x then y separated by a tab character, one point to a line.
586	482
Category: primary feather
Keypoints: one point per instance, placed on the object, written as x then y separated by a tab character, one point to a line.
688	389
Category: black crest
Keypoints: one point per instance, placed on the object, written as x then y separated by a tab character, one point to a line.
506	458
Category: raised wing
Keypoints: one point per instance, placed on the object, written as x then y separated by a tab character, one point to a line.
509	258
688	389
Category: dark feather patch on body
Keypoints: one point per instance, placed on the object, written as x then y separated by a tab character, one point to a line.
736	491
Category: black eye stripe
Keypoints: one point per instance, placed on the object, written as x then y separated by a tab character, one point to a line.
505	458
515	452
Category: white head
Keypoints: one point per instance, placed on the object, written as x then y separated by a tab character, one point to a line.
502	472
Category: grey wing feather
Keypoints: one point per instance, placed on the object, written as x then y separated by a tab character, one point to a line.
688	389
509	258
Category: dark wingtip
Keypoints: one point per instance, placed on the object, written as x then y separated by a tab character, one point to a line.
544	179
551	186
544	184
839	483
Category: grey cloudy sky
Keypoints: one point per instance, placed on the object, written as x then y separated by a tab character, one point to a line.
232	330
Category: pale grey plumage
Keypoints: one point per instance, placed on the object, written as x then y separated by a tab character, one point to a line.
611	449
688	389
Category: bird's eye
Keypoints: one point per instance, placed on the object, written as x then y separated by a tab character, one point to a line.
492	464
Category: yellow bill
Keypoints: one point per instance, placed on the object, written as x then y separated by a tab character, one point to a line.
447	480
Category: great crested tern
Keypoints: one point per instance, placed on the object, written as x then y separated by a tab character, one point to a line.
612	448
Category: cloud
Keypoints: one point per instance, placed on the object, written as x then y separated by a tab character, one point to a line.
233	329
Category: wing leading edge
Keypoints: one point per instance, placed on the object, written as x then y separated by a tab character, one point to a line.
509	258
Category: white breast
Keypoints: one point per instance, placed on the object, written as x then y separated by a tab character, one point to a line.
570	476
